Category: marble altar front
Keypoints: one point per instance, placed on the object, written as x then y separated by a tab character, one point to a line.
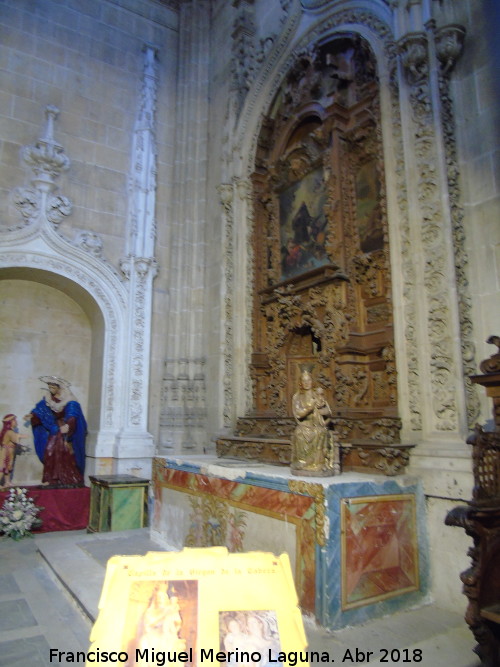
357	543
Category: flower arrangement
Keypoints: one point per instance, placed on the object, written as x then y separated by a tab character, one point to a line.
19	514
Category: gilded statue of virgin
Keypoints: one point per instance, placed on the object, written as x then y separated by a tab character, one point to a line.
312	442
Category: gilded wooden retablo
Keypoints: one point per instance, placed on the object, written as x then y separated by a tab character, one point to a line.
321	274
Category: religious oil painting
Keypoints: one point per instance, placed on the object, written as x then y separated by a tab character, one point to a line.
368	211
251	636
162	614
303	226
379	548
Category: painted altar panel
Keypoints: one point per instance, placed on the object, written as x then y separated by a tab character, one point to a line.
358	543
368	208
378	546
198	510
379	549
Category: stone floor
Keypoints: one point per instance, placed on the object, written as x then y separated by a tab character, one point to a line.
50	587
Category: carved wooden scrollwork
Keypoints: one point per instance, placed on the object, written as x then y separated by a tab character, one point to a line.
322	283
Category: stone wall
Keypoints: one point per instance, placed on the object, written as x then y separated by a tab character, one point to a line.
477	95
87	60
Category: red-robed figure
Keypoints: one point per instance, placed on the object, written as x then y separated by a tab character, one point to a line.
59	432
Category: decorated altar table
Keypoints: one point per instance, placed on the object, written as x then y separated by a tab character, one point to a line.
357	543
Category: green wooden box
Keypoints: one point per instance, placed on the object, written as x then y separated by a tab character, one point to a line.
117	502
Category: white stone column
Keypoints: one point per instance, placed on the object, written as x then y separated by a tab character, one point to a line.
183	399
139	268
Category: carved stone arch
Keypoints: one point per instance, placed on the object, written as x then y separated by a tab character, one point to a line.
372	23
101	296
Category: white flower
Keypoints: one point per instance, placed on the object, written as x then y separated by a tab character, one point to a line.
18	514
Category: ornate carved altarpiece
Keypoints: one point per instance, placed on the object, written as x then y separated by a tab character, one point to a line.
322	282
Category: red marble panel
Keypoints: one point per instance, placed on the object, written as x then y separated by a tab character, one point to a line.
379	548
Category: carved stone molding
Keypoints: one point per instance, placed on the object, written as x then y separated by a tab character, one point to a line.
244	48
90	242
251	54
120	420
409	281
412	49
28	203
435	271
106	294
449	45
226	194
141	223
46	160
142	266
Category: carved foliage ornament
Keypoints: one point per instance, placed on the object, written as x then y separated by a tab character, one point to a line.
415	56
412	50
46	158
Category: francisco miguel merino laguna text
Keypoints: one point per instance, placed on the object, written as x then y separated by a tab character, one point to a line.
161	658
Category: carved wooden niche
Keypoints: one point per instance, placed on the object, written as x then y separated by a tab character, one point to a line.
322	284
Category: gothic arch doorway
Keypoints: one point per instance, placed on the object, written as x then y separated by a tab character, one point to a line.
53	327
50	326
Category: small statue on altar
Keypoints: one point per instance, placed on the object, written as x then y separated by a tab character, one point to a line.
59	432
314	452
10	445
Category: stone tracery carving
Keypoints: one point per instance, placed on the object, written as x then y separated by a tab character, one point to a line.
183	399
46	160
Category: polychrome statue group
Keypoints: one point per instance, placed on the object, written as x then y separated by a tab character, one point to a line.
59	433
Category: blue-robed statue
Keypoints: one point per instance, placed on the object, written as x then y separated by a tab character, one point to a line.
59	432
